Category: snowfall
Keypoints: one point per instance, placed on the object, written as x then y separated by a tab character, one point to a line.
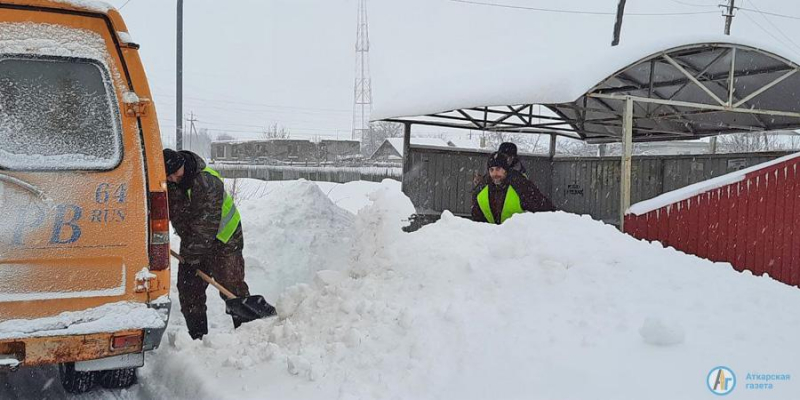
545	306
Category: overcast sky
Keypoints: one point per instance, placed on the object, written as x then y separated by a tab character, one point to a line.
252	63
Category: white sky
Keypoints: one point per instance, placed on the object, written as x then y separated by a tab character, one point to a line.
252	63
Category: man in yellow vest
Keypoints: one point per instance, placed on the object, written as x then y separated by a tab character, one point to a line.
505	192
208	223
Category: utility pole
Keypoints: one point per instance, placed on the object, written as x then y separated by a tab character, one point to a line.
362	100
618	23
712	145
729	17
192	132
179	82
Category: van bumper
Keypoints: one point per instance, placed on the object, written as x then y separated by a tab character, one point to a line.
33	351
152	337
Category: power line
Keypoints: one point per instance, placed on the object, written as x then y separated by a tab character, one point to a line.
769	13
774	26
202	124
123	6
576	11
293	131
770	34
694	4
330	110
261	114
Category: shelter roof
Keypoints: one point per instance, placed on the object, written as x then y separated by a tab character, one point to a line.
682	89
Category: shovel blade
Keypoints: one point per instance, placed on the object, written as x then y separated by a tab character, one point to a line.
249	308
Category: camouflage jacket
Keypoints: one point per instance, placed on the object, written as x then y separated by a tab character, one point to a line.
196	218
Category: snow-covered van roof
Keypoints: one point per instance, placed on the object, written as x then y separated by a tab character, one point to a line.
579	92
80	8
93	6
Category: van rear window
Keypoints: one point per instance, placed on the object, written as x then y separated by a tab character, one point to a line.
57	113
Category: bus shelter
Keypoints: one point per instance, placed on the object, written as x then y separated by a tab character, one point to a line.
682	92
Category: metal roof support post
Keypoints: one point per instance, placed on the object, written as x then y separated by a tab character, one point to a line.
553	139
625	170
406	154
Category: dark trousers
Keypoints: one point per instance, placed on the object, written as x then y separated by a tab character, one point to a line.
227	270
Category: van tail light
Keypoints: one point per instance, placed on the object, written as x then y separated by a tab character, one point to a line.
159	231
126	341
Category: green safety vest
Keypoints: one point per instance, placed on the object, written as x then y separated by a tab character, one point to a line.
511	205
230	218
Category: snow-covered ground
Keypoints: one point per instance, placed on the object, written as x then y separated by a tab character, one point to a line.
546	306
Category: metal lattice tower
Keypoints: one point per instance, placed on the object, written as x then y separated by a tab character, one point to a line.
362	100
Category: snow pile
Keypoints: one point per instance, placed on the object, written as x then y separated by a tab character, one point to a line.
545	306
351	196
292	233
111	317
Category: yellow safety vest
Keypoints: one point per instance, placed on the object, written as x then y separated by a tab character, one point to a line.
230	218
511	205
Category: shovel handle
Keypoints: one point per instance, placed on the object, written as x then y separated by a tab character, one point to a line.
206	278
213	282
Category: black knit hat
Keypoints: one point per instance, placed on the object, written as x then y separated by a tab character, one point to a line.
173	161
508	148
497	159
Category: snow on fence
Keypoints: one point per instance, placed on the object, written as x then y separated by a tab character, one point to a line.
750	218
320	174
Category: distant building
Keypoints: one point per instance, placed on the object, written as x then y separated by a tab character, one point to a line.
283	150
392	149
337	150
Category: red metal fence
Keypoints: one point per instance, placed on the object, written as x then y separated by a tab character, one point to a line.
750	218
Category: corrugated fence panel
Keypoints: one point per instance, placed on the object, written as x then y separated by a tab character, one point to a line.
753	224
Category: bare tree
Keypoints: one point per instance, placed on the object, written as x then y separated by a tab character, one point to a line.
198	142
526	142
275	131
224	136
746	142
569	147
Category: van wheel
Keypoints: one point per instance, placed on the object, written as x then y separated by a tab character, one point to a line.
118	378
76	381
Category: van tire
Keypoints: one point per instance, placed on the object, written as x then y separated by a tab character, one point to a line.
76	382
118	378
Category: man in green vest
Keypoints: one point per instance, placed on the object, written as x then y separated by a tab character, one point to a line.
208	223
505	192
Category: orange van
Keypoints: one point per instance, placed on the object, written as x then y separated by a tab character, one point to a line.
84	226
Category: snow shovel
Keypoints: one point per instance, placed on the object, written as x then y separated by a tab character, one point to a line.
245	309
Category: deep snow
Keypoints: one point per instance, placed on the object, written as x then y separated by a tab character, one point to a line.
546	306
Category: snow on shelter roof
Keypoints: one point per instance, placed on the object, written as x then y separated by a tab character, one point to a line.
580	93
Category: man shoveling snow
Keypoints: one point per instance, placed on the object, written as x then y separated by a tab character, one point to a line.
206	219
